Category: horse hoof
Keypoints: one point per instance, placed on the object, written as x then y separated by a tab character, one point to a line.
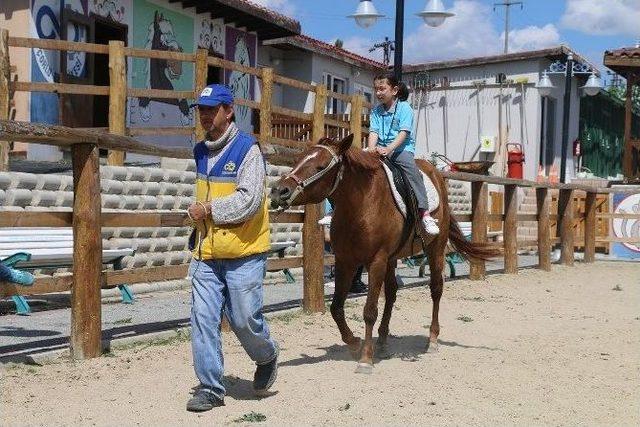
364	368
432	347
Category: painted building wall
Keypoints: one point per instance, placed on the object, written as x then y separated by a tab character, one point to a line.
15	17
152	24
454	121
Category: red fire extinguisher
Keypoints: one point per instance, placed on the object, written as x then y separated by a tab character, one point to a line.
515	160
577	148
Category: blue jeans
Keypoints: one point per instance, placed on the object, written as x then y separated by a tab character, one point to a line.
232	287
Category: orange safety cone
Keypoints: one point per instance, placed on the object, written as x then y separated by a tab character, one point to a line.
553	174
540	178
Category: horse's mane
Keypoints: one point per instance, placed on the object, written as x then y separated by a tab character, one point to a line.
357	158
363	160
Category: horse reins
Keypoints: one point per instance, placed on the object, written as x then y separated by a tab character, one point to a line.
301	184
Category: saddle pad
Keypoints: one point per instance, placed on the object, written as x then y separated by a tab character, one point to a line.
433	199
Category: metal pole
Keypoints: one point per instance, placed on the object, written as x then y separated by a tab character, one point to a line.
566	108
506	28
397	58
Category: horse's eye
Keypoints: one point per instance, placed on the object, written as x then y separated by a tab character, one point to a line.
319	168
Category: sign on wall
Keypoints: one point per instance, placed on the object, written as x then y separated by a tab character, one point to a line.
626	227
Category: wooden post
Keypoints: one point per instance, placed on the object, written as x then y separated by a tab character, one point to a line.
312	235
510	229
627	153
590	228
86	315
200	83
544	236
117	97
479	195
356	120
265	105
565	225
5	79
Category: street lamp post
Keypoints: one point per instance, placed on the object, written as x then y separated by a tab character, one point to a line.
545	86
433	15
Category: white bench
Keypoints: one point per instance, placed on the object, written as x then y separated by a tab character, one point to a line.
35	247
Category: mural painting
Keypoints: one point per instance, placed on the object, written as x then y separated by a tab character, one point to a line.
46	23
241	47
626	227
210	34
161	29
45	64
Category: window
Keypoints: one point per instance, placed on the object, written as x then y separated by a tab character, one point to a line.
365	91
338	85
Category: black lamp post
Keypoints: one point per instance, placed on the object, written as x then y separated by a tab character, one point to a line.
433	14
591	88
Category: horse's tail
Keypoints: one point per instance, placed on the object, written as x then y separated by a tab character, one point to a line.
466	248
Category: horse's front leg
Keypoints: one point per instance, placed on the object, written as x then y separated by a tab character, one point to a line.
377	271
344	274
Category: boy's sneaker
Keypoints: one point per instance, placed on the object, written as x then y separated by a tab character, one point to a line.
266	375
21	277
430	225
203	400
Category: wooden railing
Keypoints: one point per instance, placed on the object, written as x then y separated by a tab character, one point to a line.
87	219
118	91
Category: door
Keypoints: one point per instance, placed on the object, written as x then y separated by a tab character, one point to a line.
549	133
76	68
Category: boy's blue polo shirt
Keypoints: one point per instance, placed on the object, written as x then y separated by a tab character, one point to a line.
387	124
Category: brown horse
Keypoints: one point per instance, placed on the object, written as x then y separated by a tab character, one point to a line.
366	229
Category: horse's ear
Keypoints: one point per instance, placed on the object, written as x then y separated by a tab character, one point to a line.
346	143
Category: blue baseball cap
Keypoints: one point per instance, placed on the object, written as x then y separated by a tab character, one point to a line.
213	95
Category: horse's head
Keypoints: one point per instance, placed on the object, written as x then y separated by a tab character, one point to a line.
314	177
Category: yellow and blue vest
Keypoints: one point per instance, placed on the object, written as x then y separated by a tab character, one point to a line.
227	241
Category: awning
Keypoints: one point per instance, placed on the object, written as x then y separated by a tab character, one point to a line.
265	22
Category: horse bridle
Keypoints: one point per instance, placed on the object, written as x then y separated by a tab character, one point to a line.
301	184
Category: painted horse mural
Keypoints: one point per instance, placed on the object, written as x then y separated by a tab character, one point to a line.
161	36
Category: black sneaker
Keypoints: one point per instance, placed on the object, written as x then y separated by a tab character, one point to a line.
266	375
358	287
203	400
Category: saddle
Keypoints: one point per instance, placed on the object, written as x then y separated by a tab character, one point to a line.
405	198
400	183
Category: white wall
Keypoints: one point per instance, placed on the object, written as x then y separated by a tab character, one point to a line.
351	73
455	131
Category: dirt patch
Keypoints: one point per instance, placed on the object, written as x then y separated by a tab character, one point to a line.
559	348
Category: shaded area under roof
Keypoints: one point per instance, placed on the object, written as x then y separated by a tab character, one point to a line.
265	22
553	53
310	44
623	61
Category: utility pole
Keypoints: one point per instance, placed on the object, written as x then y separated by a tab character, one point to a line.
387	47
507	5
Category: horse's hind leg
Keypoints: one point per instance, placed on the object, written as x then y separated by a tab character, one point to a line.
377	271
390	289
436	283
344	275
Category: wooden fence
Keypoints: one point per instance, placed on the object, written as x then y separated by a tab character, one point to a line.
88	278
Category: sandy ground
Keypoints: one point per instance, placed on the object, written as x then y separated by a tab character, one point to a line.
559	348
